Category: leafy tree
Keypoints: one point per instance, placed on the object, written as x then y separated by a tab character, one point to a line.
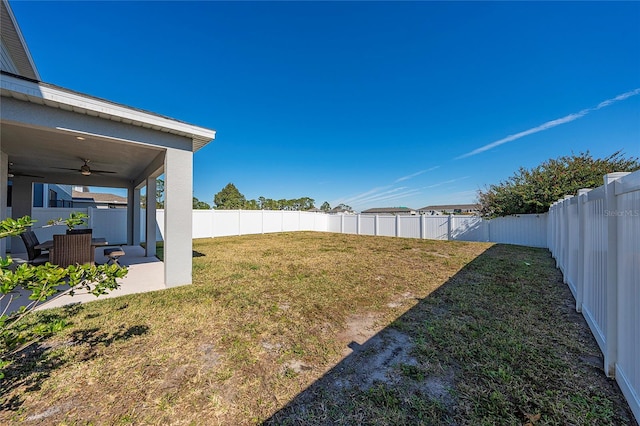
41	282
200	205
229	198
252	205
159	196
533	191
325	207
343	207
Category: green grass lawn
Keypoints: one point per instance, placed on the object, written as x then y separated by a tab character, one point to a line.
317	328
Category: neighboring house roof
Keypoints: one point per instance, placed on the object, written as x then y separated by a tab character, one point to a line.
390	210
98	198
451	207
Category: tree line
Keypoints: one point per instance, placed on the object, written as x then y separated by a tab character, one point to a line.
230	198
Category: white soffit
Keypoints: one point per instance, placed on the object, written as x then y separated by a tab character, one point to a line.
58	97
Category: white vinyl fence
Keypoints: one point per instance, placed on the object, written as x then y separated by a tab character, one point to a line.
595	239
528	230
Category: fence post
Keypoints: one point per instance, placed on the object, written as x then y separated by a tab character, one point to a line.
90	222
375	225
422	227
341	223
358	224
565	238
449	225
582	198
611	283
397	225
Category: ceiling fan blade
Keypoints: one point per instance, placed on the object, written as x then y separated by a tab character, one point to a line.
102	171
18	174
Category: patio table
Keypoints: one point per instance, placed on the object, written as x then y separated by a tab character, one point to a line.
95	242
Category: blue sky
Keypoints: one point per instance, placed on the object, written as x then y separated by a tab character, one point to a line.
372	104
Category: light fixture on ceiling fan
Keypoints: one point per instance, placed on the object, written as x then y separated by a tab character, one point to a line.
85	170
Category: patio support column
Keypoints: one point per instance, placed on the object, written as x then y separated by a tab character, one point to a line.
130	217
150	236
4	170
21	201
133	216
178	217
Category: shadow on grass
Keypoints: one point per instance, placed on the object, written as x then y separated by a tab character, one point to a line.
499	343
35	363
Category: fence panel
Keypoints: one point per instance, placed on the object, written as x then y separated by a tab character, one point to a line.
573	242
527	230
469	228
436	227
387	226
409	226
226	223
202	224
595	266
109	223
350	224
271	221
367	224
250	222
628	265
335	223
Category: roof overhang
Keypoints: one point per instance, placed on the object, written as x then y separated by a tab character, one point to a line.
15	44
57	97
47	130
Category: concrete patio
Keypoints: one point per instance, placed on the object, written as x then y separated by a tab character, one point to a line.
146	273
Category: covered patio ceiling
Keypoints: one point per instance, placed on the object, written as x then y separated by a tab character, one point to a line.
48	132
45	155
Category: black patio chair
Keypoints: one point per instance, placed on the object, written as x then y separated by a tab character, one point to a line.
35	255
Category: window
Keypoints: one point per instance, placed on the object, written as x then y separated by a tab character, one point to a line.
38	195
53	198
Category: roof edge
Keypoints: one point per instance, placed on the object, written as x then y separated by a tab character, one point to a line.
52	95
18	32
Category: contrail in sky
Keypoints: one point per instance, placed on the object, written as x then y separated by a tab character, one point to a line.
415	174
549	124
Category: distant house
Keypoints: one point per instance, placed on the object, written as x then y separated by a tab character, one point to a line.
83	198
391	210
341	210
45	194
473	209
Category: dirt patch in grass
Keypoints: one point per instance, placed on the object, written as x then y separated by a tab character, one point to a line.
312	328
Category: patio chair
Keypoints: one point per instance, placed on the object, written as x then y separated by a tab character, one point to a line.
113	254
35	256
71	250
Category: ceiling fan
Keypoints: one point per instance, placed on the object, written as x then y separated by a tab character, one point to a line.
85	170
11	173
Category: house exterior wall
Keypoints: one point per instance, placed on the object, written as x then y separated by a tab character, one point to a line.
6	63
